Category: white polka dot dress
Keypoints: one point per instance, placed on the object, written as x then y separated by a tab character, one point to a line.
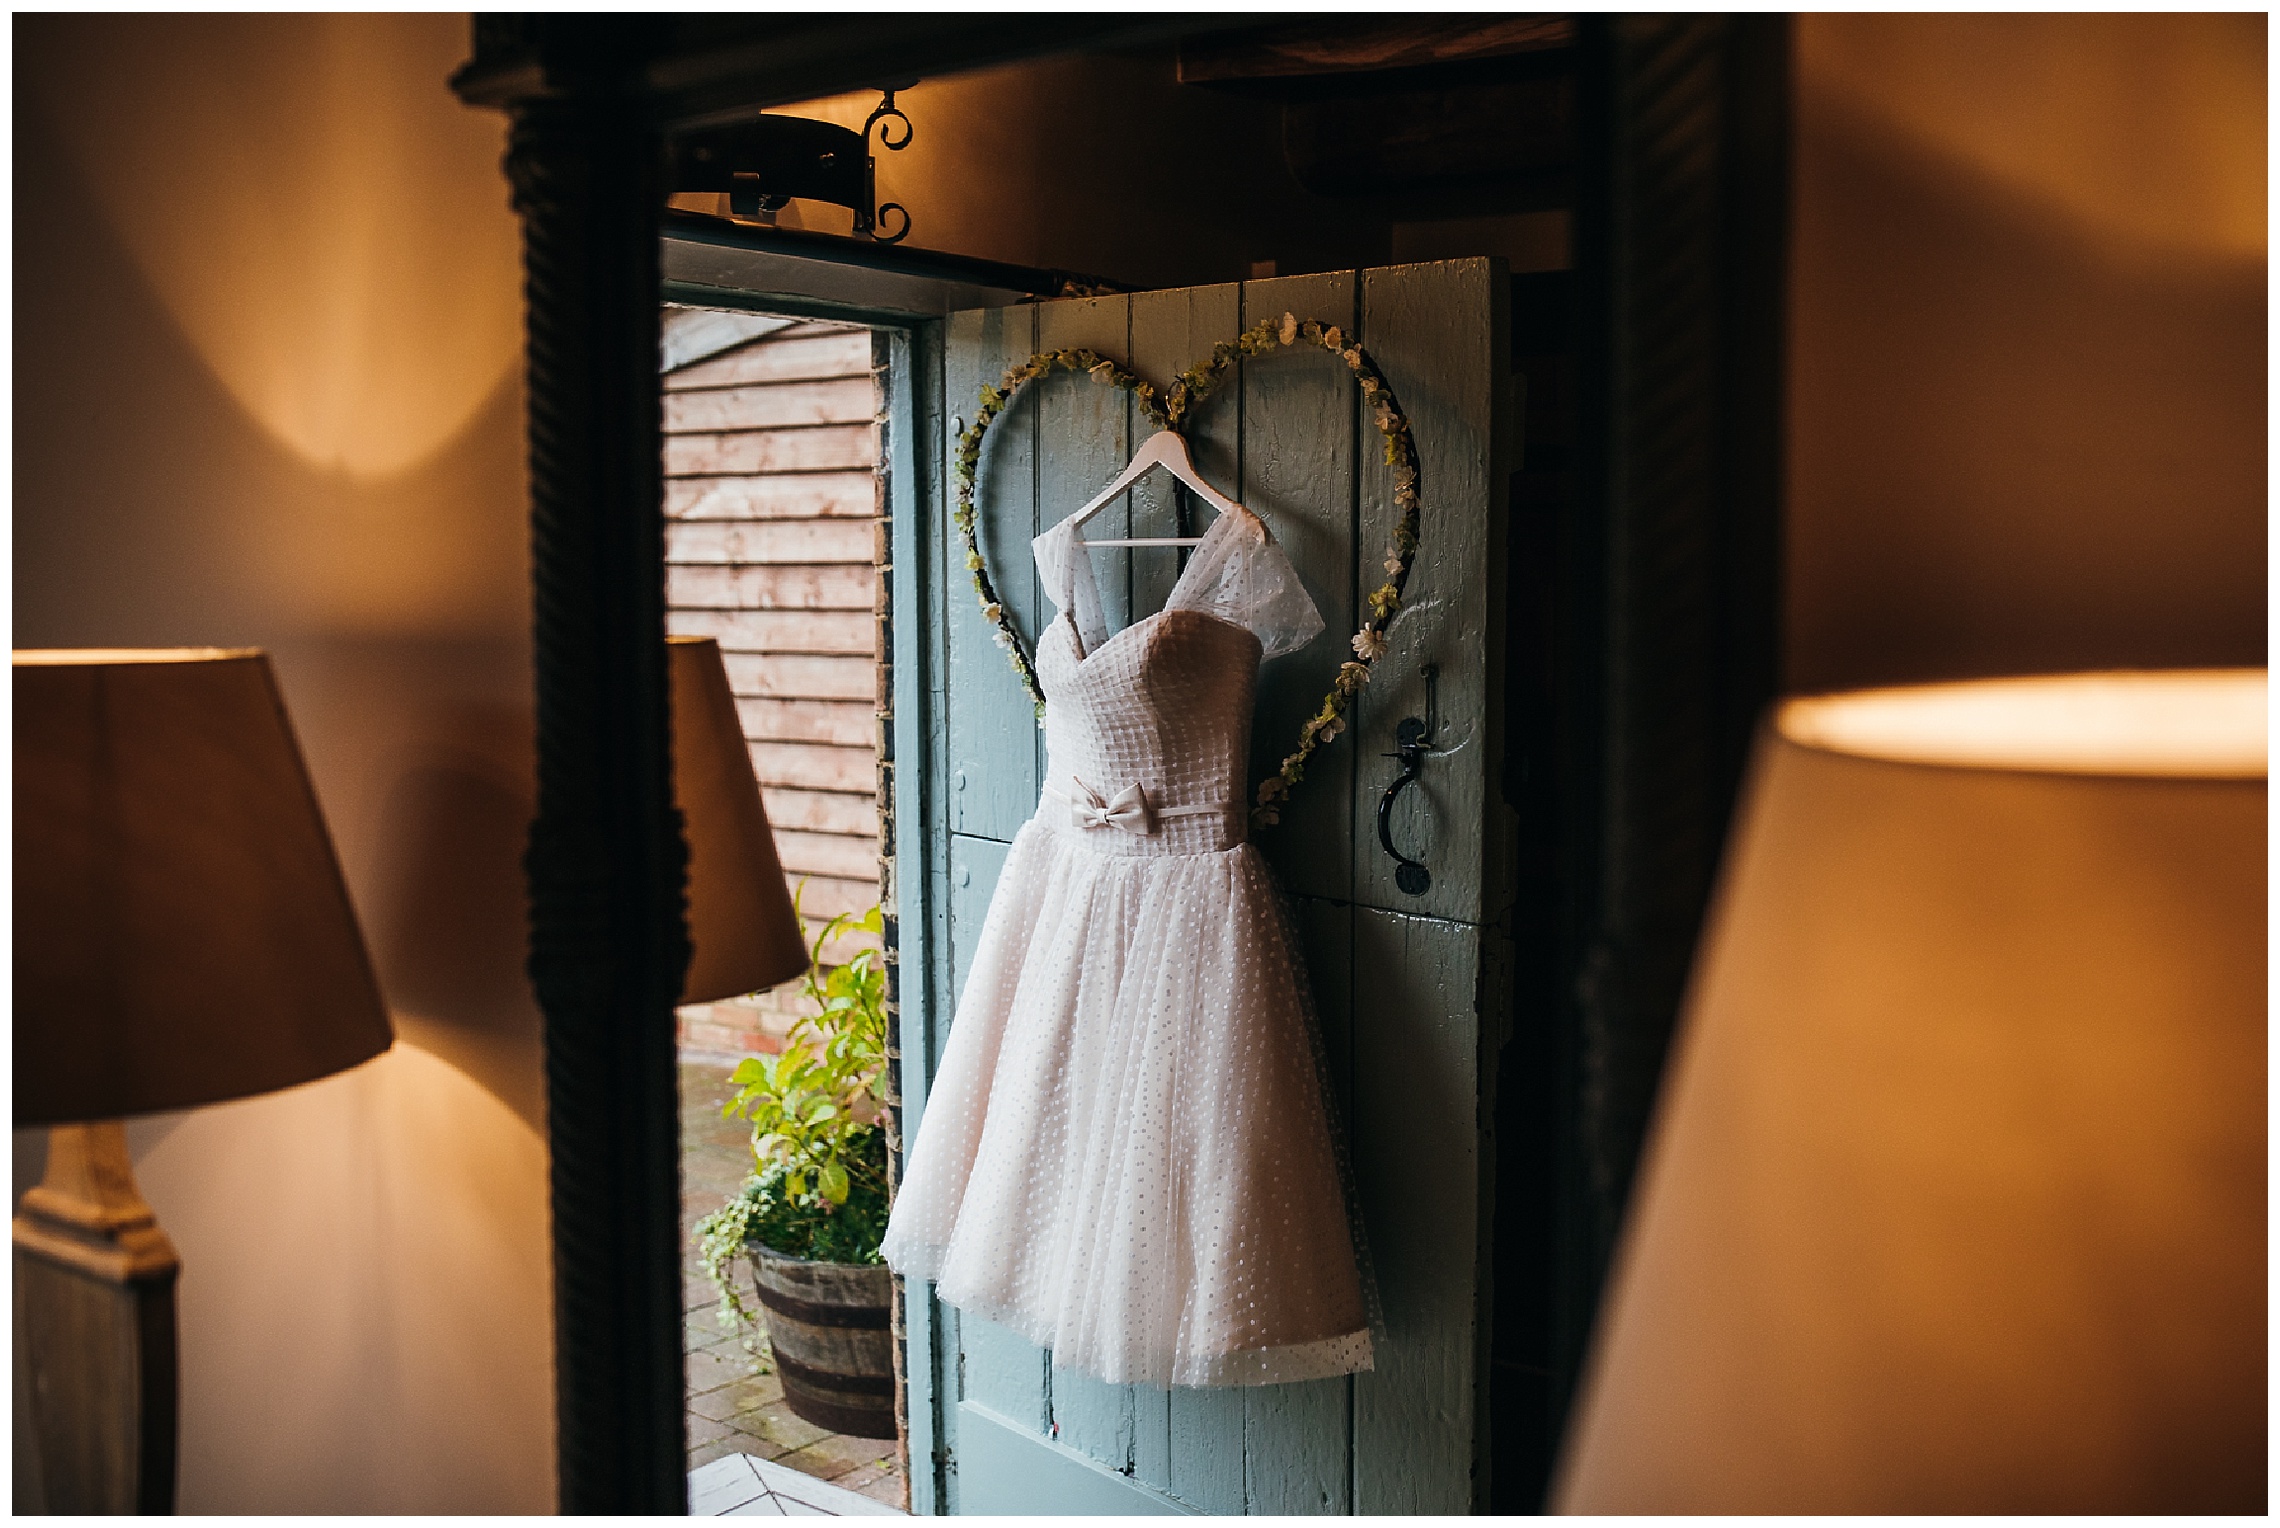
1125	1155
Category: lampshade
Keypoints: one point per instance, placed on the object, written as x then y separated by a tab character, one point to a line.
1955	1199
182	932
741	923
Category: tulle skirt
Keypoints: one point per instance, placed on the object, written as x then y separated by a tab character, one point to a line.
1125	1156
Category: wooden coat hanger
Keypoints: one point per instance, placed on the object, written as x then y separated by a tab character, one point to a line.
1167	449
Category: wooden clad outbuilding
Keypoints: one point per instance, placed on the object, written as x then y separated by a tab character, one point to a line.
772	525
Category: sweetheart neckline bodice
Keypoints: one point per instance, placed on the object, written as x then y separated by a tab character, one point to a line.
1235	574
1082	569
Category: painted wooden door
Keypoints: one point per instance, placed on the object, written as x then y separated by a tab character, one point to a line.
1410	989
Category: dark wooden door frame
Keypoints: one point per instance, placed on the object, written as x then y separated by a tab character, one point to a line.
1659	624
1665	630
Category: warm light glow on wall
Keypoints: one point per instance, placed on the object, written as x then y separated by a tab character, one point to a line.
2150	127
331	242
389	1192
2207	724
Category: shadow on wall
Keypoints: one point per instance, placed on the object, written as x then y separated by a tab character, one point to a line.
449	931
213	446
2024	436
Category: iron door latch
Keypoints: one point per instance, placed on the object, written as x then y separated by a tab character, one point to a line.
1412	740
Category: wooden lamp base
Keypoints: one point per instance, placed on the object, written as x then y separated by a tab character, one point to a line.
96	1383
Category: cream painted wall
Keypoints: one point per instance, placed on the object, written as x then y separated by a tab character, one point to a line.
2028	370
267	391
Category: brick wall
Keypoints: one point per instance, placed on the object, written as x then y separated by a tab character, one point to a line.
772	505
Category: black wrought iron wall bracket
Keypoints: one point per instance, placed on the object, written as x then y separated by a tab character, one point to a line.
884	116
767	159
1412	739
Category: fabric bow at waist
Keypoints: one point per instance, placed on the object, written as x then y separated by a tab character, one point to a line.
1129	810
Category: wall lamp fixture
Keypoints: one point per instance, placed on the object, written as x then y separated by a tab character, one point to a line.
766	160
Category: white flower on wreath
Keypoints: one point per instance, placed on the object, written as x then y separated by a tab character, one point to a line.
993	612
1369	644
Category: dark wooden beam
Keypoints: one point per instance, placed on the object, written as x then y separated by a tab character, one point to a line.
1438	116
1516	136
1322	46
695	69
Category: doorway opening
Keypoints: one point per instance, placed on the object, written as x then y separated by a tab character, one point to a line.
774	514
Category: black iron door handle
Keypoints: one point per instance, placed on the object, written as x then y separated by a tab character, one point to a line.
1409	741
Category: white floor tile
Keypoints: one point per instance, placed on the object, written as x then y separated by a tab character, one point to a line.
826	1498
719	1488
738	1485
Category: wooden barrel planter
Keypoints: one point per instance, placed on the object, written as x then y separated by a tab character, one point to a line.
828	1326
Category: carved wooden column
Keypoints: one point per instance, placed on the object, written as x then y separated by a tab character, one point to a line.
609	942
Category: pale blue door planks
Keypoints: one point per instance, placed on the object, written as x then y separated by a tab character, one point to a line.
1030	1476
1407	988
991	733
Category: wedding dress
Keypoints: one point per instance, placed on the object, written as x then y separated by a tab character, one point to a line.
1125	1155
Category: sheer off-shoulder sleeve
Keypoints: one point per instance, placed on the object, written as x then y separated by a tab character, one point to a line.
1245	578
1067	575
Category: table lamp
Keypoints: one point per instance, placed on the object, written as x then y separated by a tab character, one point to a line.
1955	1198
182	936
743	934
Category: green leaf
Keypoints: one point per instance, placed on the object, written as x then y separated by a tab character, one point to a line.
822	1180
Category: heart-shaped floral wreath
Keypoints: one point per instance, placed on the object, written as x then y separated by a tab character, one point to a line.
1166	411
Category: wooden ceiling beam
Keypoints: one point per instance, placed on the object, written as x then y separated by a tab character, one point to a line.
699	69
1319	47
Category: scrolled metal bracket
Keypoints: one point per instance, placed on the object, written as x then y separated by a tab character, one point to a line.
763	161
884	116
1412	739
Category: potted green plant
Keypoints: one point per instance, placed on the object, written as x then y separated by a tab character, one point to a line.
809	1218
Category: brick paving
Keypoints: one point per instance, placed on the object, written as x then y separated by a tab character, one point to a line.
731	1409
